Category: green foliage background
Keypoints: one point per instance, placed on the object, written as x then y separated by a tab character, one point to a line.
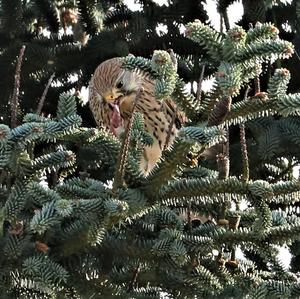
67	233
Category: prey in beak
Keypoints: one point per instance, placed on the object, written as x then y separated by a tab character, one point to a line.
116	120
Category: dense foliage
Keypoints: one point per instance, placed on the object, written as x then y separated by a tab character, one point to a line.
74	226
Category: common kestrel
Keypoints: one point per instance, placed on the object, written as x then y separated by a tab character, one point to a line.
112	91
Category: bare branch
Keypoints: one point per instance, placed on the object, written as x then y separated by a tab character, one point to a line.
226	20
221	23
244	150
43	97
122	159
256	84
220	111
199	85
14	102
134	278
244	153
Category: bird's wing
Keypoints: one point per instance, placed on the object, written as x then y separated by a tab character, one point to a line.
98	107
170	108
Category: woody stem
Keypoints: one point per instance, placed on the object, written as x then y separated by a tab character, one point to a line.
122	159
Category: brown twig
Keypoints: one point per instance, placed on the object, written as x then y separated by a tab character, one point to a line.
221	23
134	278
189	217
244	150
223	169
256	84
226	20
220	111
223	164
234	222
43	97
199	85
245	158
122	159
232	255
15	96
55	178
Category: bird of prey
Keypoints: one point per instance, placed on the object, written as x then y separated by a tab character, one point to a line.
112	91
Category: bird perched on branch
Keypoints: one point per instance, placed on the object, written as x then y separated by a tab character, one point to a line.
112	91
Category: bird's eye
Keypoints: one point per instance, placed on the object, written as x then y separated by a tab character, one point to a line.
120	84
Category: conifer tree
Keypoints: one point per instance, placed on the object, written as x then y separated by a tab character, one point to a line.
78	219
66	40
67	234
285	16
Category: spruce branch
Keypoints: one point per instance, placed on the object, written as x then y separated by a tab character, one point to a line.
43	97
278	83
16	90
209	38
184	99
165	65
88	19
123	155
142	64
250	108
285	171
173	59
261	31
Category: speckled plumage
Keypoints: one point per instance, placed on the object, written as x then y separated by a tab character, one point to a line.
111	83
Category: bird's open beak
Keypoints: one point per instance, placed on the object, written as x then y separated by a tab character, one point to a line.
113	99
116	120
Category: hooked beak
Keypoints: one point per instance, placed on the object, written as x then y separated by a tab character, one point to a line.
112	99
111	96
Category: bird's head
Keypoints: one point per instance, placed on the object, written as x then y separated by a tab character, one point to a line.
112	82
